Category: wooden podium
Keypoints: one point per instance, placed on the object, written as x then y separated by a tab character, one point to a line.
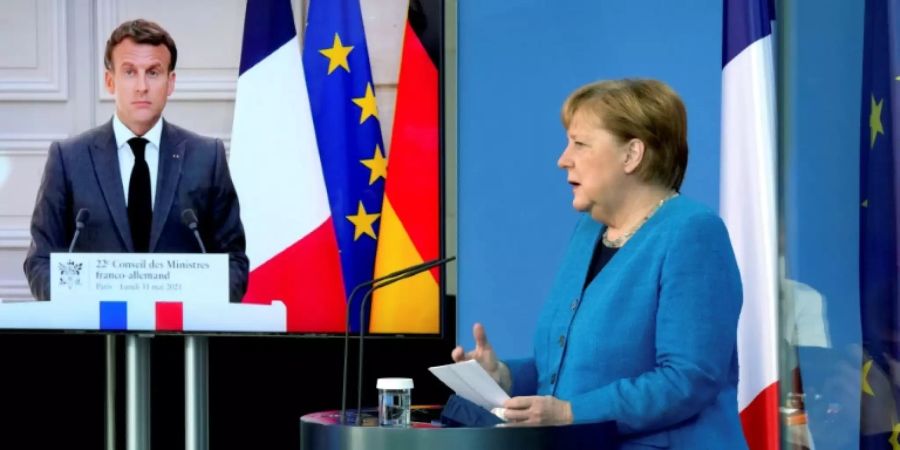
324	431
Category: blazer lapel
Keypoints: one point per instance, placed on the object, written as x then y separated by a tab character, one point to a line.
171	155
105	158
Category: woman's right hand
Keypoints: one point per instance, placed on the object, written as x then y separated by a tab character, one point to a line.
484	354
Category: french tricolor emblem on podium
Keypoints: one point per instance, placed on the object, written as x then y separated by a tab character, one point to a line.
169	315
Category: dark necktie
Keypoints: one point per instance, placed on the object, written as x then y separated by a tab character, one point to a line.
139	209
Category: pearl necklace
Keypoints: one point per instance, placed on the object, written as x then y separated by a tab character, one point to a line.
621	240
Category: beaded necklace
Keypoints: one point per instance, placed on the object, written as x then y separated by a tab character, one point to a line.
621	240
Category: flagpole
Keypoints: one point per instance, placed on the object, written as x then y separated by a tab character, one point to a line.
795	432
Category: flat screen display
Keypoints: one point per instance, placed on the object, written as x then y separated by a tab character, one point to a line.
327	202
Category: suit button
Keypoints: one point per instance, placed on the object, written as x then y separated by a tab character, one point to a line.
553	379
574	304
562	341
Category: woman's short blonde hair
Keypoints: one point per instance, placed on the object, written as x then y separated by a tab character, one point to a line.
648	110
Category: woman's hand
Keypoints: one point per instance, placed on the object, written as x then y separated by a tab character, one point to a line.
538	410
484	354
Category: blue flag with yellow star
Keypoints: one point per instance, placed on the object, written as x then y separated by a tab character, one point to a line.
878	252
345	116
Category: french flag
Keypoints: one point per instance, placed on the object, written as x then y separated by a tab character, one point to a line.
167	315
748	206
277	172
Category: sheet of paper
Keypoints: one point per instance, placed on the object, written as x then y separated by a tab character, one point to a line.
471	382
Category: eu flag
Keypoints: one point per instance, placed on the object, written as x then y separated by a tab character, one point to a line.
880	306
345	116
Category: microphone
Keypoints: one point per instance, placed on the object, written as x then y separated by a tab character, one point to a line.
80	219
189	219
416	268
362	306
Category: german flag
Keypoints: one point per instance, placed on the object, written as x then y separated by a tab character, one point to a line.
410	216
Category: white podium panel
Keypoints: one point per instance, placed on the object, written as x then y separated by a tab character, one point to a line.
142	292
139	277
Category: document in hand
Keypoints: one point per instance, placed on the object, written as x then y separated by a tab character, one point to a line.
470	381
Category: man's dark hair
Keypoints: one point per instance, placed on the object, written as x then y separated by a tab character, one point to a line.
141	32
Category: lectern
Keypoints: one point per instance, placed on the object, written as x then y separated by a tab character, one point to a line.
324	431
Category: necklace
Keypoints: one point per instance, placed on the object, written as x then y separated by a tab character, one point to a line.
621	240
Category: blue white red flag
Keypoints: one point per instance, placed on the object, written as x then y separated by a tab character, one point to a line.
277	172
748	207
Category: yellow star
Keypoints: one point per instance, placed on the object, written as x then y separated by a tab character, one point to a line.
337	55
377	165
875	126
865	378
865	203
368	105
363	222
895	437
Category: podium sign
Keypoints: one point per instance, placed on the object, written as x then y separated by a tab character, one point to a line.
136	277
145	292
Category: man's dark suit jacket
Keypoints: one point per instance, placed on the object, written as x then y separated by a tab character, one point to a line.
83	172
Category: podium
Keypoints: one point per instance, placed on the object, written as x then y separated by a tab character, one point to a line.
324	431
146	293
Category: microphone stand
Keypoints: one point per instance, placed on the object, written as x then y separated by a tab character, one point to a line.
109	408
78	226
362	332
83	216
399	273
196	370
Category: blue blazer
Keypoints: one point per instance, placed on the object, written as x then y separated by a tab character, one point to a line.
83	172
651	342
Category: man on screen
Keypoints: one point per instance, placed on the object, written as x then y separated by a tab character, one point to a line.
137	174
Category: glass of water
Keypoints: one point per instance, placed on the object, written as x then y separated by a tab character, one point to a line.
394	400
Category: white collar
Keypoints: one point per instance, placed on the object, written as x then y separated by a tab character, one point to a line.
123	134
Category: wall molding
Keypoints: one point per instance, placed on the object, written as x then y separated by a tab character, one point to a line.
15	289
49	83
14	238
36	145
40	143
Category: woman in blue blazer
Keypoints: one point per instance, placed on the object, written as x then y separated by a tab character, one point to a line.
641	323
